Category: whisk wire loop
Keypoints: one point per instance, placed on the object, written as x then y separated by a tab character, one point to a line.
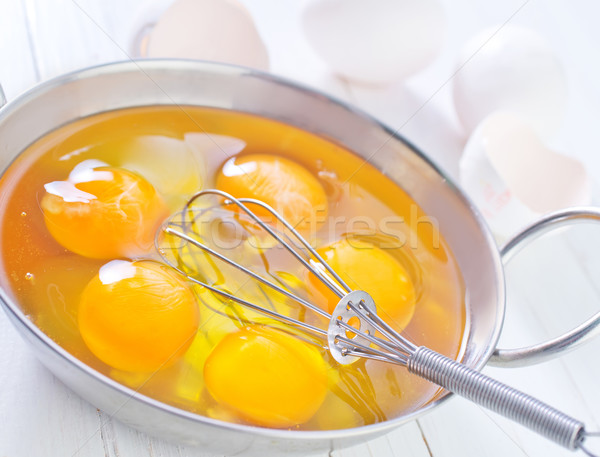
352	345
240	203
242	268
383	327
248	304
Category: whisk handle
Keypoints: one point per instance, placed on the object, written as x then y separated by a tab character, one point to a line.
498	397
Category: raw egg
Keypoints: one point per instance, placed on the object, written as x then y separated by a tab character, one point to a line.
364	266
103	212
268	377
137	316
288	187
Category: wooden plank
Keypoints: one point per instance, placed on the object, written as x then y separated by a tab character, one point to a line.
463	428
73	34
17	67
404	441
40	415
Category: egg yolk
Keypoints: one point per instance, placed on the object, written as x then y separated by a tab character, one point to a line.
283	184
364	266
270	378
137	316
103	212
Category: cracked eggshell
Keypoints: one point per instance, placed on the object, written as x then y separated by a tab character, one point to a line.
217	30
376	41
515	70
513	178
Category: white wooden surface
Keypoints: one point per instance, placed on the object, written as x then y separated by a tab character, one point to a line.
551	288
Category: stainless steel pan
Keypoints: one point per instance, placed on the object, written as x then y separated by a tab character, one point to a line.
168	82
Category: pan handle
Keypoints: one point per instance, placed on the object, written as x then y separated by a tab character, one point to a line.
575	337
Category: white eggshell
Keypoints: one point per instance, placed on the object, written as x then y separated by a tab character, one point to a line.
514	70
217	30
142	23
375	41
513	178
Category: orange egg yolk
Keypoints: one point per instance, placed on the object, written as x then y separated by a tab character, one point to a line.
103	212
288	187
137	316
268	377
364	266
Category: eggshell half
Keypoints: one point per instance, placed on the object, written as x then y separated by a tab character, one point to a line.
375	41
217	30
513	70
514	178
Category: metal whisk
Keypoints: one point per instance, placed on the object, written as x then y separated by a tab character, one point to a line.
355	330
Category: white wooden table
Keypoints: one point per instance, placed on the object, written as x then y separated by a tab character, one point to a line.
550	289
